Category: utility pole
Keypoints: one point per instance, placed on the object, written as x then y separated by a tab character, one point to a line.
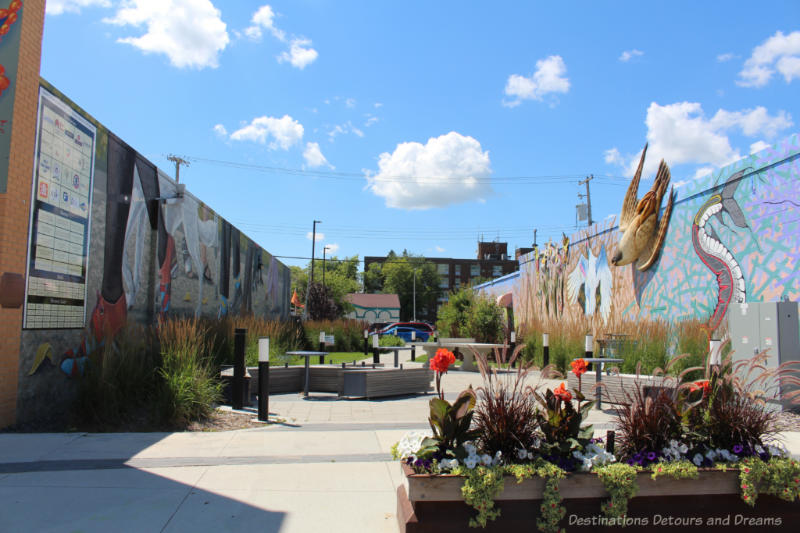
589	178
178	162
534	237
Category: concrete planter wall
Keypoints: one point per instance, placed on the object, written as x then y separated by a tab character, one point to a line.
433	503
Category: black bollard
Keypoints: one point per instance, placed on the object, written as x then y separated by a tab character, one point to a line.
375	355
237	391
322	347
263	379
545	349
396	358
413	352
366	338
610	441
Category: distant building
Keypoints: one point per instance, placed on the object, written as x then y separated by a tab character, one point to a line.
492	262
374	307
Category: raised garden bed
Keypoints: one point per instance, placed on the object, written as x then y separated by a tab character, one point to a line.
614	385
712	502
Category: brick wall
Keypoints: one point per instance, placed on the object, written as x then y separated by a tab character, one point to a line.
15	203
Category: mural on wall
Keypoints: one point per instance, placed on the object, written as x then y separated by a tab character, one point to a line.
714	254
10	28
590	283
743	224
146	224
643	232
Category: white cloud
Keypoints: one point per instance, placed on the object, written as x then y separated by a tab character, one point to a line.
284	131
702	171
350	102
342	129
780	52
450	169
300	53
57	7
220	130
189	32
722	58
440	249
313	156
758	146
377	105
548	78
332	248
319	237
681	134
680	183
613	157
370	121
264	19
627	55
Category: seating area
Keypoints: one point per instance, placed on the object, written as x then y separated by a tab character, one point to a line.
350	381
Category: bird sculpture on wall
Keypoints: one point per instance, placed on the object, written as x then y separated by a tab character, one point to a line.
642	232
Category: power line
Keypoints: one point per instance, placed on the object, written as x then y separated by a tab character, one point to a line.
360	176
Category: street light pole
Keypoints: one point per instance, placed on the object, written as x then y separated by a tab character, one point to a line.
313	242
415	295
325	249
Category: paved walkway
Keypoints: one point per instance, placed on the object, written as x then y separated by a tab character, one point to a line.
326	467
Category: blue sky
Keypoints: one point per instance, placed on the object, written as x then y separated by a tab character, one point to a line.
424	125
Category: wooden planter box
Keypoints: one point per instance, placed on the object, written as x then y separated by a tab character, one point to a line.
430	503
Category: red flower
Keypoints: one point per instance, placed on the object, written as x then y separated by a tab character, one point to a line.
442	360
578	367
562	393
703	385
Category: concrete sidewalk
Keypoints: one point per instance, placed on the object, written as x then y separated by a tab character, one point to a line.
325	468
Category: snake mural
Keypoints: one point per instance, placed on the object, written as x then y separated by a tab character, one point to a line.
714	254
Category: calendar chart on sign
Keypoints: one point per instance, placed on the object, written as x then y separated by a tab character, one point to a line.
58	248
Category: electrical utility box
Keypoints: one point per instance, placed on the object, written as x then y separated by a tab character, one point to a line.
770	327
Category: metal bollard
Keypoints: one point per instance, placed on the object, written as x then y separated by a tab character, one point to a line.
375	355
322	347
237	390
610	441
263	379
545	349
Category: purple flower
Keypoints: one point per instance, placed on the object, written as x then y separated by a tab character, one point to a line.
737	449
651	456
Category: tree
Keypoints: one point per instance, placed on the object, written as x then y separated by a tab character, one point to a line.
467	314
398	277
341	279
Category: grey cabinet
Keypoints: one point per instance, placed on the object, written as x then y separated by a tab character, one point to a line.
765	326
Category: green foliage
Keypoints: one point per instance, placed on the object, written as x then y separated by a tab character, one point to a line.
481	486
560	424
190	382
450	425
120	382
675	470
485	321
453	315
619	479
398	278
469	315
778	477
391	340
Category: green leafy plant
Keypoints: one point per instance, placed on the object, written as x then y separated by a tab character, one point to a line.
778	477
451	426
560	423
675	470
619	479
481	486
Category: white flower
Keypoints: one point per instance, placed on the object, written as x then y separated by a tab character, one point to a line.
498	458
486	459
587	465
411	442
522	454
577	455
711	455
698	459
470	448
726	455
448	464
759	449
530	455
536	443
471	461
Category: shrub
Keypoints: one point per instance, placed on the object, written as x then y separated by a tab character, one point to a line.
485	321
120	382
453	315
190	385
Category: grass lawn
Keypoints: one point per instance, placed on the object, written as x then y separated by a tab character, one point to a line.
332	358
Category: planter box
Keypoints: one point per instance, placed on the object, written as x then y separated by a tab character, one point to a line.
613	385
429	503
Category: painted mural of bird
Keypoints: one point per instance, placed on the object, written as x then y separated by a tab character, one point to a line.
643	232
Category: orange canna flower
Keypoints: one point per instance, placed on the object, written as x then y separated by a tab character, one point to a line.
578	367
562	393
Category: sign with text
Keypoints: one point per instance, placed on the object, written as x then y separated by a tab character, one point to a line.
61	203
